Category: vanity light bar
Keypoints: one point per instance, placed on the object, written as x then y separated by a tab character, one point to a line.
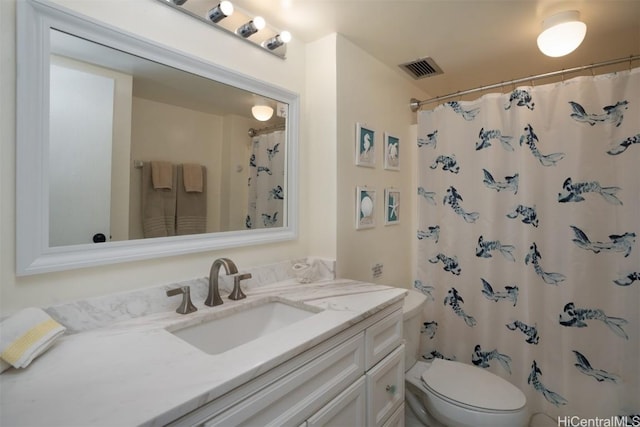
254	30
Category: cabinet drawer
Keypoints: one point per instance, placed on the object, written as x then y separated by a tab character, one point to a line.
385	388
347	409
382	337
301	393
397	419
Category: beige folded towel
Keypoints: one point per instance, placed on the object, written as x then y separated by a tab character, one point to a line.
191	208
162	175
26	335
192	176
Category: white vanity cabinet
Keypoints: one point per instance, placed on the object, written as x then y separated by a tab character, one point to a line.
354	378
290	398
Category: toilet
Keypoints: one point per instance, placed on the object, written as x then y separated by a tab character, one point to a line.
454	394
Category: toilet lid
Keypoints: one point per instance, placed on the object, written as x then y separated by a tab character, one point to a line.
472	386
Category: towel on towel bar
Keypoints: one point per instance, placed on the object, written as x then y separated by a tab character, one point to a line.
162	175
158	205
26	335
191	207
192	176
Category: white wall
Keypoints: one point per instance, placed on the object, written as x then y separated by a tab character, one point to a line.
150	19
320	113
167	132
372	93
346	85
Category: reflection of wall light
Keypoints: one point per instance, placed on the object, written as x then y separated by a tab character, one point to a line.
561	33
221	11
262	112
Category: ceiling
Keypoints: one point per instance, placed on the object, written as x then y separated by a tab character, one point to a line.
475	42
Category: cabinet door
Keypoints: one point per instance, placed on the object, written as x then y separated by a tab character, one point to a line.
382	337
397	419
347	409
385	388
299	394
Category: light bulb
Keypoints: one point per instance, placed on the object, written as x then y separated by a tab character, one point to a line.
226	7
251	27
285	36
259	22
221	11
277	41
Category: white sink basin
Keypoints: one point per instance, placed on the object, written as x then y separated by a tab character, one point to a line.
250	322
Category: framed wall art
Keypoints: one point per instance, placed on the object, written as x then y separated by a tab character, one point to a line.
391	206
365	146
365	207
391	152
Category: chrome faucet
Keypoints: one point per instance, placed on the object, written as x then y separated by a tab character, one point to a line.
237	293
186	306
213	298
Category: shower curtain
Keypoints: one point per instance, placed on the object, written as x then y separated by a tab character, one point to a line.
528	219
266	181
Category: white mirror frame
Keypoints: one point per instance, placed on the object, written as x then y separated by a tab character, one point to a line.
35	18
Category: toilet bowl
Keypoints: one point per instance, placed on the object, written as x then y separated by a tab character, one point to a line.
454	394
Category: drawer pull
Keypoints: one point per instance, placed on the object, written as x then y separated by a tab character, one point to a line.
391	389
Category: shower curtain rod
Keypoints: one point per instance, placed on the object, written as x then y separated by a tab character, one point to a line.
254	132
415	104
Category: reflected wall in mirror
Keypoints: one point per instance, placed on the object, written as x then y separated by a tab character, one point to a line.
130	150
114	115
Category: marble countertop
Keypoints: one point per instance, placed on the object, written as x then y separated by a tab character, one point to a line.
135	372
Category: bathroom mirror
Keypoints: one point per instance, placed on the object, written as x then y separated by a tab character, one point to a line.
129	103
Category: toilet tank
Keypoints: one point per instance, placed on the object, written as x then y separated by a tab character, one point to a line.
413	318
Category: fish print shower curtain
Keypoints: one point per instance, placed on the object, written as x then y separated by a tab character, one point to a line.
529	214
266	181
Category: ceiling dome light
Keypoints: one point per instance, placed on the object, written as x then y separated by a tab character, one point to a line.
561	33
262	112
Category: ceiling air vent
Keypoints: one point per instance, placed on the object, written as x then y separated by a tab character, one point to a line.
421	68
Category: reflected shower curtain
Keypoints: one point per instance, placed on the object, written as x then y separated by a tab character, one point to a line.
266	181
528	220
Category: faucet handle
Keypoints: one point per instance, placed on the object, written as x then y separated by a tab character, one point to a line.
186	306
237	293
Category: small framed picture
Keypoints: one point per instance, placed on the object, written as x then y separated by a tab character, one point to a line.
391	206
391	152
365	207
365	146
